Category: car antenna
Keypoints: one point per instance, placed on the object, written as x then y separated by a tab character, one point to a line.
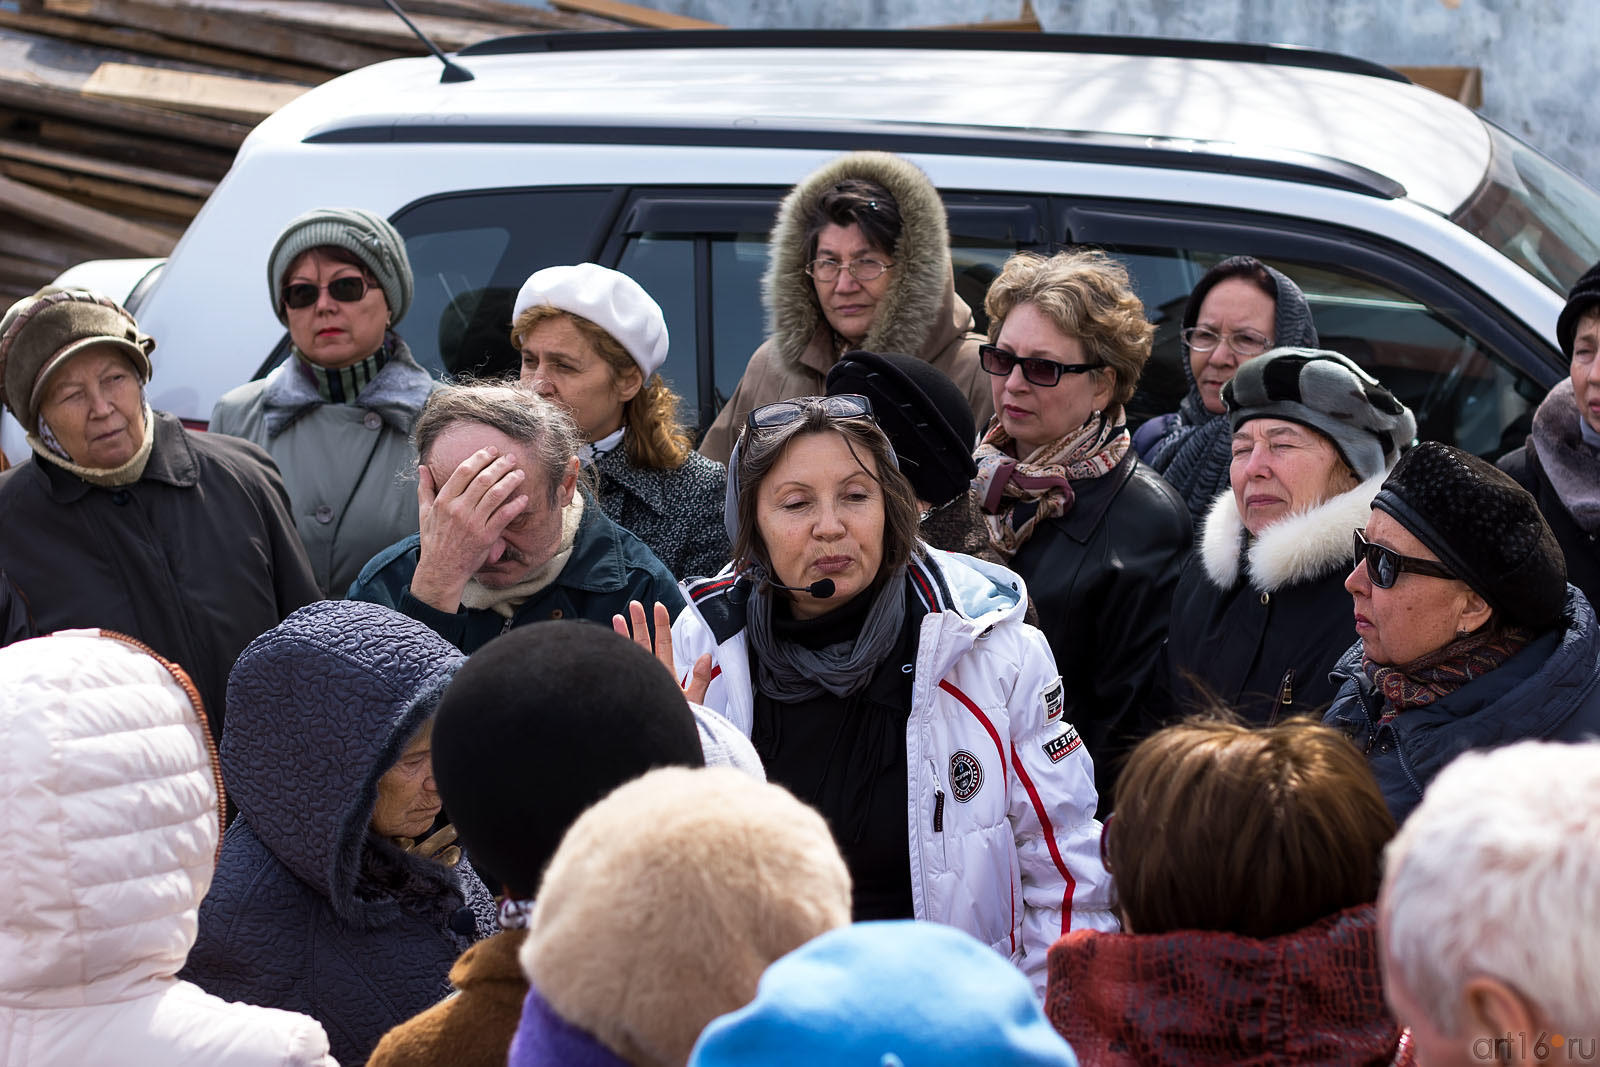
453	72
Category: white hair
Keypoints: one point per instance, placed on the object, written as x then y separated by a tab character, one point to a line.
1497	874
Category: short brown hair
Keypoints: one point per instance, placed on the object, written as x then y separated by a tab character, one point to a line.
522	415
760	450
656	440
862	202
1087	296
1257	832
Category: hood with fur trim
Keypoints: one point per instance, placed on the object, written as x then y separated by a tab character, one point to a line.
920	289
1297	549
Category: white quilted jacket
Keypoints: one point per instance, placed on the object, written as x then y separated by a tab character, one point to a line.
111	808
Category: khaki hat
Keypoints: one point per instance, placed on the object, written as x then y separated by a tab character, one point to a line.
41	332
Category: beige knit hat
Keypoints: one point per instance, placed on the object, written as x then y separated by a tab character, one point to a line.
41	332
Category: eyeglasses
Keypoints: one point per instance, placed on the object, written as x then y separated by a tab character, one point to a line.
1246	343
862	270
1046	372
1384	565
839	406
347	290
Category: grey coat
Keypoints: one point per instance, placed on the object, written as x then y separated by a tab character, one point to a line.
678	514
349	468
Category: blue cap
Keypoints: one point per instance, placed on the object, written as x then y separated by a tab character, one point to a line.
888	994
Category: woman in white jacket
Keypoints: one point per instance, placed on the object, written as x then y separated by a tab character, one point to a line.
896	689
115	806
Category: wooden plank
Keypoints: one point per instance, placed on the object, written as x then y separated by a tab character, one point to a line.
100	168
44	76
194	160
1461	84
517	18
635	15
378	28
227	30
62	213
179	90
81	186
155	44
28	240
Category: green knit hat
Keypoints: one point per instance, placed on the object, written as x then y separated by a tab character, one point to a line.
364	235
41	332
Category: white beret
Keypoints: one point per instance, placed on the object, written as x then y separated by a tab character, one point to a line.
612	301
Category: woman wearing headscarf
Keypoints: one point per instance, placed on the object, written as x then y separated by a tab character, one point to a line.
591	340
111	779
328	900
1468	634
894	687
122	518
1247	863
1261	615
336	416
1560	463
1238	310
859	258
1097	536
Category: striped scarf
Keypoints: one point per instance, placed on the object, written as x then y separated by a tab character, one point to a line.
1018	494
343	385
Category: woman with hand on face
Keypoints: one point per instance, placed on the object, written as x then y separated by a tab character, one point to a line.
1261	615
1098	536
1238	310
893	687
860	258
591	341
336	416
1469	635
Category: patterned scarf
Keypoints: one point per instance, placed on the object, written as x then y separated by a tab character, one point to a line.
1018	494
1438	674
343	385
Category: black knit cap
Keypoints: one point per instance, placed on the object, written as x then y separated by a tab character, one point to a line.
923	413
1484	527
1585	296
538	725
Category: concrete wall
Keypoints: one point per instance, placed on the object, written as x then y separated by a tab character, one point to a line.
1534	54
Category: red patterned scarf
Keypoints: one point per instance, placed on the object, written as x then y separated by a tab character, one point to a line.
1440	673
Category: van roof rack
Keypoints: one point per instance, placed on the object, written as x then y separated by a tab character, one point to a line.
946	40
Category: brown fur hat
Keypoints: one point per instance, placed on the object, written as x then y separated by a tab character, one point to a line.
668	899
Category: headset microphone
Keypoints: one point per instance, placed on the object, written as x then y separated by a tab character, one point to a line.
822	589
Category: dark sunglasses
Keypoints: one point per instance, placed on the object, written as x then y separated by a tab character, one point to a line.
840	406
1384	565
347	290
1046	372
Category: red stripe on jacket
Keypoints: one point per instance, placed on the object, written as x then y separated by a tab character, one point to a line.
994	735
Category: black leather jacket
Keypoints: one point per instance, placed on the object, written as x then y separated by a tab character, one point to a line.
1102	578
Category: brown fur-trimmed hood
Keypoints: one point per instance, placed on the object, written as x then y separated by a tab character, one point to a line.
920	290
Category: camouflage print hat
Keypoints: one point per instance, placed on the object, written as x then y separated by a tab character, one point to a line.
41	332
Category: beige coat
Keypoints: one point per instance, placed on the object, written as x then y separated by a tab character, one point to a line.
920	315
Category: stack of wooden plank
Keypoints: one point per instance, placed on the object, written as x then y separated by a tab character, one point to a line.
118	117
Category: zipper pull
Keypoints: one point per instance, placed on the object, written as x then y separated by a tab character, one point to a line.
938	810
1285	695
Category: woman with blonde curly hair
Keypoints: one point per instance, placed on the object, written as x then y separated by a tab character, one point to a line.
1098	536
592	340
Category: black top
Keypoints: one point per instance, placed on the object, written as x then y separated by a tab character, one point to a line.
846	757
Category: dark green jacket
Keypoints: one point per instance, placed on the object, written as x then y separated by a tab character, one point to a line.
608	568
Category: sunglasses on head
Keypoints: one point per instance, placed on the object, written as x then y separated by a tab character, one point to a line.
1046	372
1384	565
347	290
839	406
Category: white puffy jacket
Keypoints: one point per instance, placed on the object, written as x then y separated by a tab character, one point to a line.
1000	797
112	825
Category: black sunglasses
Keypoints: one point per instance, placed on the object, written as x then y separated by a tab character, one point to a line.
347	290
839	406
1047	372
1384	565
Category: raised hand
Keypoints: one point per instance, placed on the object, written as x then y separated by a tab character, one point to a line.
633	626
462	522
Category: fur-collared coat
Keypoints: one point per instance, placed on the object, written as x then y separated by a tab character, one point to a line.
1563	474
920	315
1259	622
349	468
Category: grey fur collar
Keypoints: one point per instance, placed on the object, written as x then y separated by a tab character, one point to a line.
911	310
397	393
1569	463
1300	548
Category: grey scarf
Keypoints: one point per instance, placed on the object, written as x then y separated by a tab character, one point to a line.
788	672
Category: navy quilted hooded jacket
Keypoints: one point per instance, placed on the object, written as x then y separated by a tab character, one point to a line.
310	911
